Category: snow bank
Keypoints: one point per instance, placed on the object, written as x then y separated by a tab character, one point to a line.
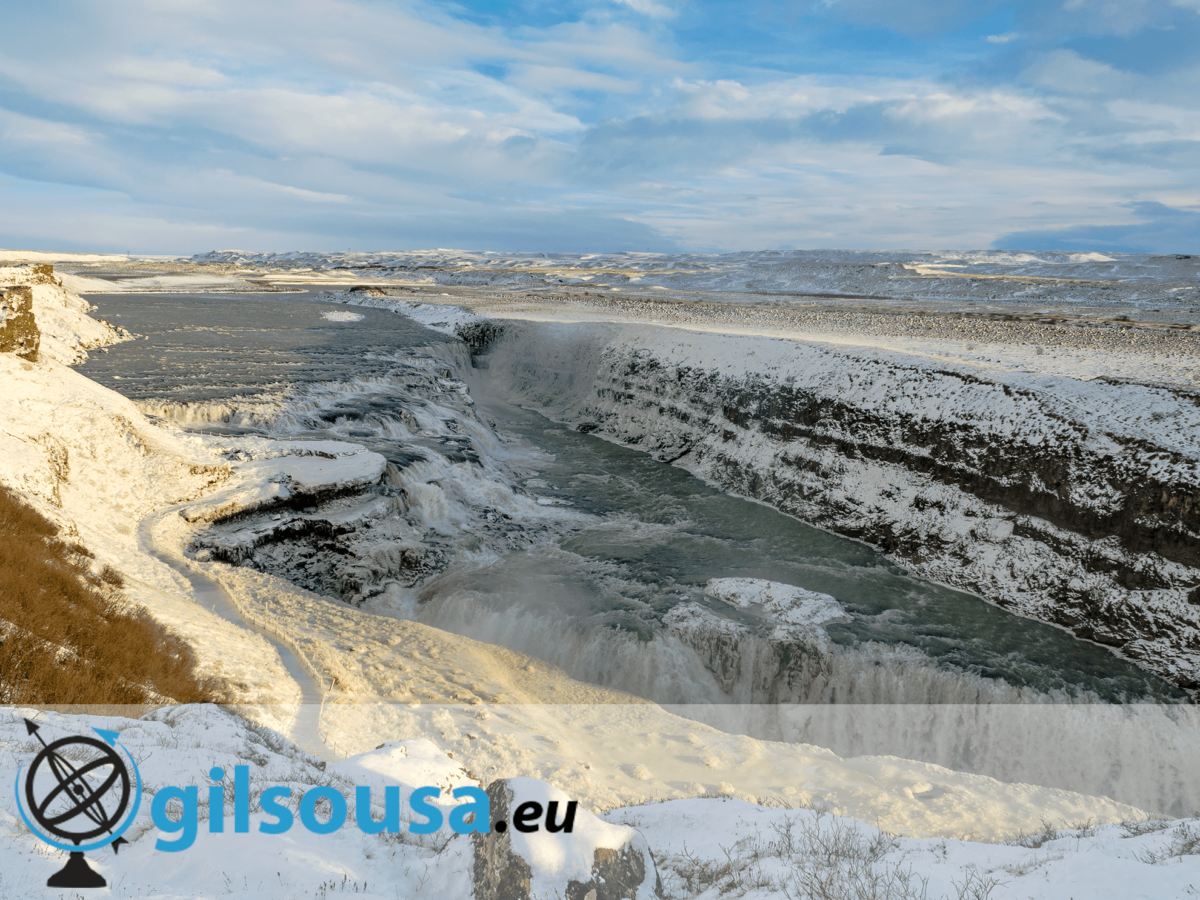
709	847
177	747
719	848
411	763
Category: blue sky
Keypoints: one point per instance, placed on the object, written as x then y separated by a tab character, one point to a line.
179	127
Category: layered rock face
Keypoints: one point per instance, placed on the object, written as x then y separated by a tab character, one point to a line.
1075	502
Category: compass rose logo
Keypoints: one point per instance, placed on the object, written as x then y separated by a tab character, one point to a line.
78	791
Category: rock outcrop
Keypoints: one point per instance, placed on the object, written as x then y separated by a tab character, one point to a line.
65	330
19	333
595	861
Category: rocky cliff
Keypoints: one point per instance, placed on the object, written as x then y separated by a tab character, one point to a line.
38	312
1071	501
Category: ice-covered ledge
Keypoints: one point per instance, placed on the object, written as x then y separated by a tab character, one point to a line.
267	474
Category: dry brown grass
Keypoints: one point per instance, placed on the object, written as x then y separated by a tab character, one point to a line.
67	637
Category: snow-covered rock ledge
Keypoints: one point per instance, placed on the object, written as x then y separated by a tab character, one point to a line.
67	331
277	474
1063	499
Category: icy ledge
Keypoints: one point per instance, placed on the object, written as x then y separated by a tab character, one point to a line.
269	474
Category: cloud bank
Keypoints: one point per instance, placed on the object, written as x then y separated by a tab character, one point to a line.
639	124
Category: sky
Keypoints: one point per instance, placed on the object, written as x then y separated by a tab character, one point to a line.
154	126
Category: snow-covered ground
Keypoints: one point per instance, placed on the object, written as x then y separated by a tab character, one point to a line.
709	847
965	280
724	814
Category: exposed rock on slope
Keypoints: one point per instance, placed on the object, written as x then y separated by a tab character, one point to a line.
18	329
596	861
1069	501
67	332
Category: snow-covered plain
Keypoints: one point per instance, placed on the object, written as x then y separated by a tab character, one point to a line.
92	461
1051	277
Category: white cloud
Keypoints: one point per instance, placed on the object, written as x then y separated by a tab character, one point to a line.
27	131
1067	72
1157	120
341	113
1113	16
161	71
1007	38
649	8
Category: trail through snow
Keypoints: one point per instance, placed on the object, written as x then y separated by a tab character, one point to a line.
305	730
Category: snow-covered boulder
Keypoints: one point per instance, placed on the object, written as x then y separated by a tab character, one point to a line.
773	650
595	861
785	603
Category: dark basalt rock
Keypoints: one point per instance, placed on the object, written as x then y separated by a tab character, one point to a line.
479	336
499	873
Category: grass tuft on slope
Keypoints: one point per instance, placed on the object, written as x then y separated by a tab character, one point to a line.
67	636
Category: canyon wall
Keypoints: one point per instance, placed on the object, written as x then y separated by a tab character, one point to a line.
1066	500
